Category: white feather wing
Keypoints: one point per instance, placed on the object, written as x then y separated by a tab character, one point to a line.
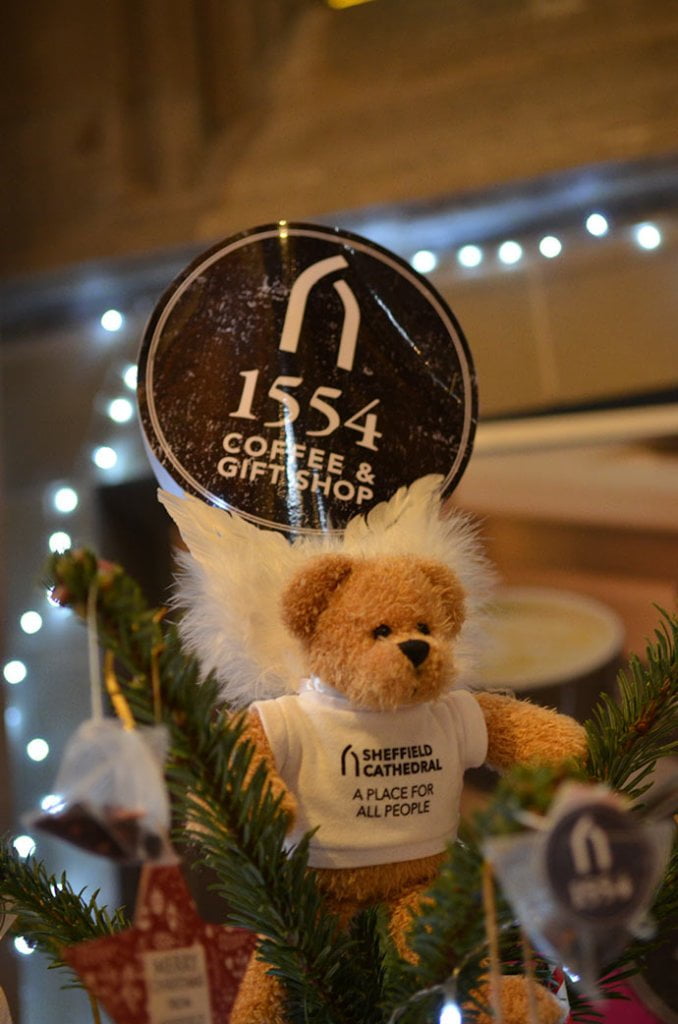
229	589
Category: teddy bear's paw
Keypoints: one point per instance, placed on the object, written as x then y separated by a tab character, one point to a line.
515	1008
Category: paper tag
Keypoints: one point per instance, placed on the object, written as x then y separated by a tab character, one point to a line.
177	986
171	967
600	864
584	880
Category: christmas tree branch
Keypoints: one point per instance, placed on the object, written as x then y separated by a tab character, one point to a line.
326	971
328	974
625	742
626	737
49	913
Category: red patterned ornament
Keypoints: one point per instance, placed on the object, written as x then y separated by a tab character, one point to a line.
172	966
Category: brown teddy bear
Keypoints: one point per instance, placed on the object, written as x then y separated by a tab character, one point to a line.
378	622
373	750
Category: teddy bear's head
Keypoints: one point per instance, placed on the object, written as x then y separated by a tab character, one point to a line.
379	630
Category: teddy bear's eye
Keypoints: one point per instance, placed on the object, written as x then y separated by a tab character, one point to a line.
382	630
423	628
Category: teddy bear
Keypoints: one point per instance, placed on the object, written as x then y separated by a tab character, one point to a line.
351	652
373	748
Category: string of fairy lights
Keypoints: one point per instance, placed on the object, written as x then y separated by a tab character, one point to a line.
63	500
63	526
646	235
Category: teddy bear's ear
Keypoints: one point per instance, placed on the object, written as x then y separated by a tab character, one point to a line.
308	594
449	590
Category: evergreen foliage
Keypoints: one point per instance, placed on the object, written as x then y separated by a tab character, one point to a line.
626	737
330	975
50	914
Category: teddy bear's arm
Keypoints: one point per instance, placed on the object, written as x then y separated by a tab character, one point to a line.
519	731
255	733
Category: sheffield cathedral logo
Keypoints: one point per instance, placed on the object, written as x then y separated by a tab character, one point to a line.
349	757
389	762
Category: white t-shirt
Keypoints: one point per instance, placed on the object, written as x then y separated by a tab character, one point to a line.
380	786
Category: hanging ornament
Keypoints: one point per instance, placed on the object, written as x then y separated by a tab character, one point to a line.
110	794
171	966
583	880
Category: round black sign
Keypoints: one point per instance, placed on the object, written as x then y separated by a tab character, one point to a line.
600	864
298	375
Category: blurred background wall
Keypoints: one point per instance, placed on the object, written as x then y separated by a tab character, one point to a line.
137	132
136	124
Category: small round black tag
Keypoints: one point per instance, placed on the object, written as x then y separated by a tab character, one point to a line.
599	864
298	375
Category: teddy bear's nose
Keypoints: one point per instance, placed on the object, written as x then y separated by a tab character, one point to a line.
415	650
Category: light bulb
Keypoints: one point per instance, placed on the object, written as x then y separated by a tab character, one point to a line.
648	236
22	946
510	252
597	225
24	845
470	256
31	622
450	1013
112	320
37	749
121	410
15	672
59	541
51	802
65	499
424	261
572	975
104	457
130	376
550	247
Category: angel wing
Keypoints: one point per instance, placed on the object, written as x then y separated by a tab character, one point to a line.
229	588
232	579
